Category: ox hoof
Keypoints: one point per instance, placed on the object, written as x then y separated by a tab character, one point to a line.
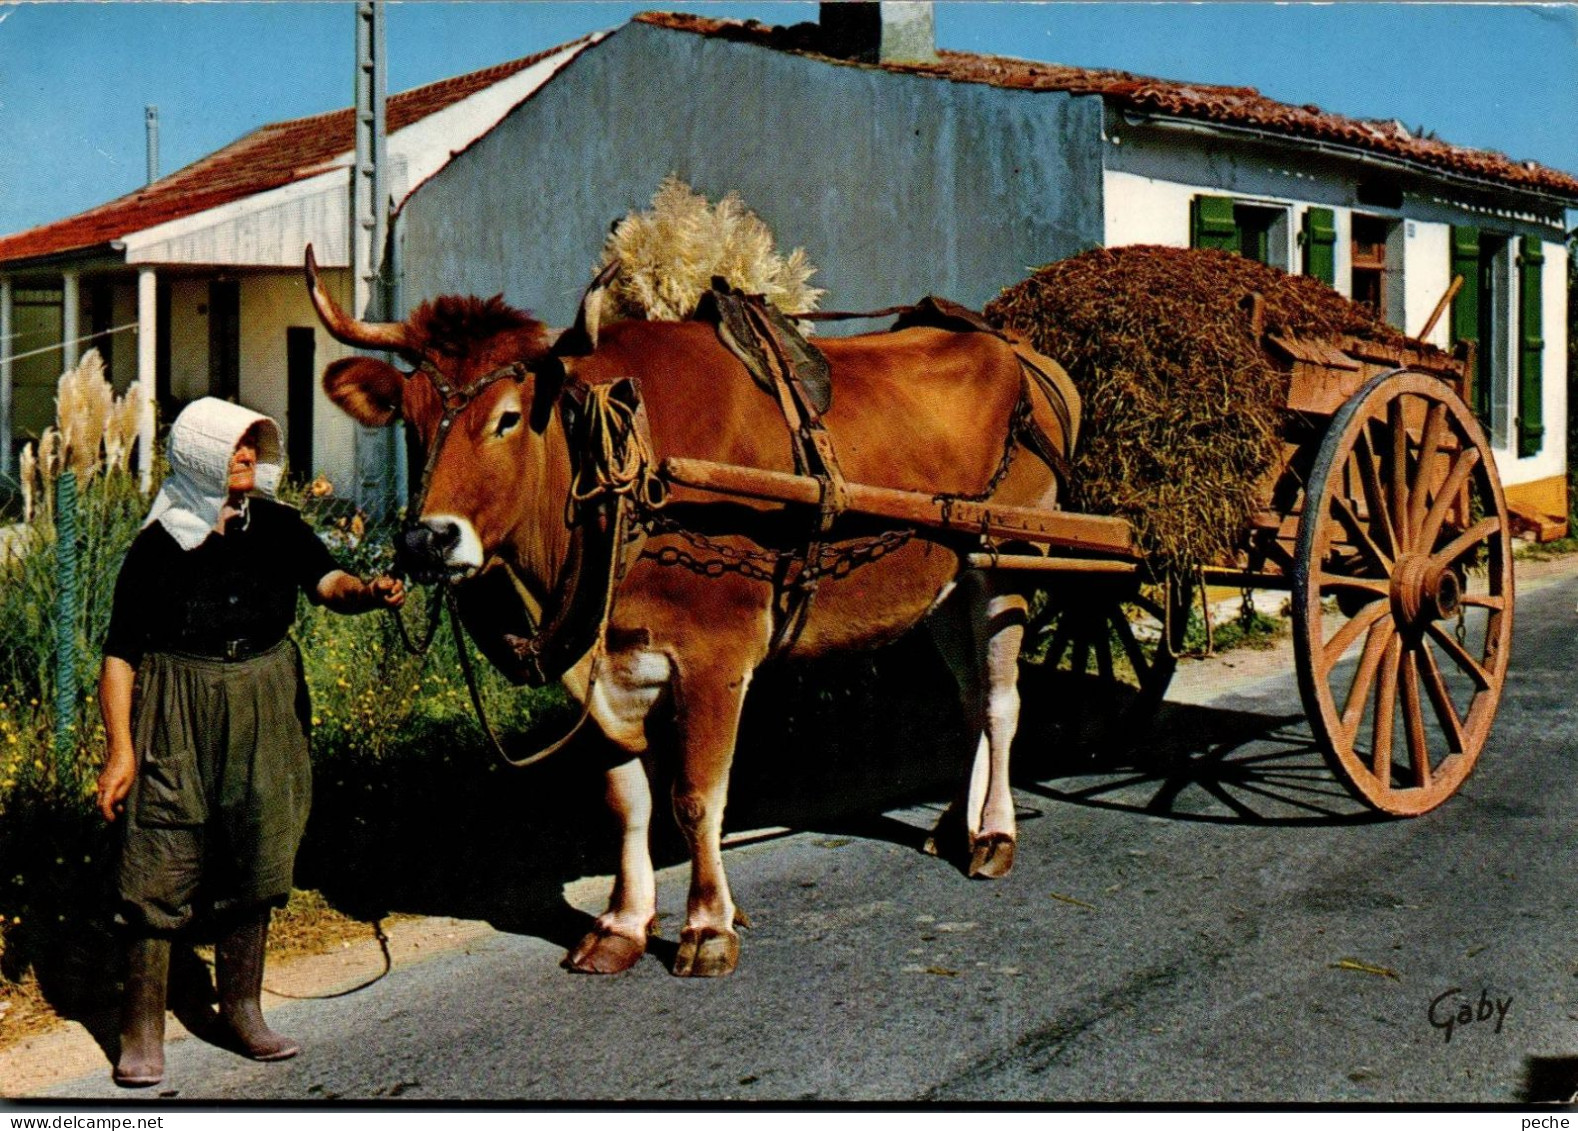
706	952
603	951
991	856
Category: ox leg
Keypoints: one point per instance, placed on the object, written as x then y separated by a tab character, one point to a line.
708	718
979	633
619	937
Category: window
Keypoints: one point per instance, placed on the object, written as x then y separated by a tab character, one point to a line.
1499	310
1369	264
1255	231
1376	266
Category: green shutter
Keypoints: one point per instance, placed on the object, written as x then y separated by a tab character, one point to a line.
1212	223
1465	308
1320	244
1531	348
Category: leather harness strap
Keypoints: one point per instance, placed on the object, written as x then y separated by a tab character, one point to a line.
814	455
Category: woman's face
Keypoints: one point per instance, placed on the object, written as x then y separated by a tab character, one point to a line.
244	465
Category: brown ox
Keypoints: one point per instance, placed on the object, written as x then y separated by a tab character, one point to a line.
920	409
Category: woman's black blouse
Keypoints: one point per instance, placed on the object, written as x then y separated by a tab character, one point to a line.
235	594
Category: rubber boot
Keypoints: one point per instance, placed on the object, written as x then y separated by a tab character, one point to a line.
238	971
141	1062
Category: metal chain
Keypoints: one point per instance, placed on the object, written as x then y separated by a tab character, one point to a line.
836	561
1023	416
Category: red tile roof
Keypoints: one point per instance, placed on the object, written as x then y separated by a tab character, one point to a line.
1225	105
267	158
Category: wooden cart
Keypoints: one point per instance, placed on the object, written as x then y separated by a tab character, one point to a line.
1385	520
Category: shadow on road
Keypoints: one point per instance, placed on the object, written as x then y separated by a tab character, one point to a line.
827	747
444	830
1209	764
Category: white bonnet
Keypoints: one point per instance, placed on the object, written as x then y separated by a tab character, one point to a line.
202	440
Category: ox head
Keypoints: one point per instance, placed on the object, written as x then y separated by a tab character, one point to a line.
479	399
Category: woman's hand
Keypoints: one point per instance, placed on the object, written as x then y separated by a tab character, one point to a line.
347	593
115	780
116	678
388	591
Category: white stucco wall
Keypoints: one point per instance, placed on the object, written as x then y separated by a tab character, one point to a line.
271	303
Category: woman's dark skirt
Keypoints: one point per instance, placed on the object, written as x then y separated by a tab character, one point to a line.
224	783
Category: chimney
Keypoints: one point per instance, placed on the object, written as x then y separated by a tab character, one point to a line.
151	116
886	32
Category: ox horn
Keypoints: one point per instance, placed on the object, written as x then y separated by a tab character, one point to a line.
351	331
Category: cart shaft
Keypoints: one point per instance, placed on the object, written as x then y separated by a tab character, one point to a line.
1030	524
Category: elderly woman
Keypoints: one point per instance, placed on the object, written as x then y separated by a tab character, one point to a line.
206	717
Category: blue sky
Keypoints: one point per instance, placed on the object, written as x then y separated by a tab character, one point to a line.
74	76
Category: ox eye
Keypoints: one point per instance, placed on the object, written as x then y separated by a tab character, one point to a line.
507	420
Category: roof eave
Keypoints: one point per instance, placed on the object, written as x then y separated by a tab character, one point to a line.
91	255
1350	153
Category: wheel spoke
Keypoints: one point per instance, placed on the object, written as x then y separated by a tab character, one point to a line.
1060	639
1442	700
1359	690
1484	600
1104	652
1414	720
1460	656
1345	512
1398	428
1435	419
1379	586
1081	659
1131	648
1454	483
1334	648
1370	481
1385	711
1463	543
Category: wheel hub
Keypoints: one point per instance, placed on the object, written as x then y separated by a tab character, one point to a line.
1424	591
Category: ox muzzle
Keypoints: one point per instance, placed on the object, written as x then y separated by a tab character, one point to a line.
438	548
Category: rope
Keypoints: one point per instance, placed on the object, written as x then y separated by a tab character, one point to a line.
435	611
383	945
69	342
620	462
482	715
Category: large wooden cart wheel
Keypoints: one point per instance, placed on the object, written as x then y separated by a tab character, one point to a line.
1402	593
1100	654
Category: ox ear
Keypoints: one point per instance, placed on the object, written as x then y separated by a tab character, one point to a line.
551	375
369	390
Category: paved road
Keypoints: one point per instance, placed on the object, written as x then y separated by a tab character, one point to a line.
1166	936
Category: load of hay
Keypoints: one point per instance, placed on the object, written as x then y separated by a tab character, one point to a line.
1182	407
669	254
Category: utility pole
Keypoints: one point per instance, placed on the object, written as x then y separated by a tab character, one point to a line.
375	447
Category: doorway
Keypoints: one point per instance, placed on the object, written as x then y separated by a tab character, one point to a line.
300	390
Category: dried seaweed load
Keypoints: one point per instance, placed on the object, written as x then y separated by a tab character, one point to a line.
1182	406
